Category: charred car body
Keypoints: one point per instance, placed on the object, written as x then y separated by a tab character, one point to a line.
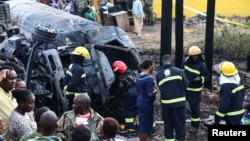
41	46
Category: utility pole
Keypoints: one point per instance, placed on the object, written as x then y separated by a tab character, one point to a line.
209	40
178	33
166	28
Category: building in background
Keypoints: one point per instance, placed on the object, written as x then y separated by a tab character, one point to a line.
228	8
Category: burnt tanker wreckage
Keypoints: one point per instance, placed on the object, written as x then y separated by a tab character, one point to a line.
41	41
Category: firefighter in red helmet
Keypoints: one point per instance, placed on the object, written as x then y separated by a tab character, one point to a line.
119	67
127	87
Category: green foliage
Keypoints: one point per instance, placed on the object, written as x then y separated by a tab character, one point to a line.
248	21
153	49
150	50
232	43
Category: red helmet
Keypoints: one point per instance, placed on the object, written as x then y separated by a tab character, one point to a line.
119	67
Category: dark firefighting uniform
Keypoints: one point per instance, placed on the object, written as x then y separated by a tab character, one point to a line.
127	84
192	70
172	83
230	107
75	82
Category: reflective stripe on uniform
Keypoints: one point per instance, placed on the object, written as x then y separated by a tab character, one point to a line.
220	114
175	100
202	79
237	89
154	124
173	139
129	120
194	89
235	112
83	75
169	79
65	87
69	73
195	119
192	70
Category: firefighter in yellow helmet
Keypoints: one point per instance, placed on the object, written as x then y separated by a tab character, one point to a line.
196	71
75	79
232	94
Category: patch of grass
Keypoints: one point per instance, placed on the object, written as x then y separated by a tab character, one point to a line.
150	50
154	49
228	43
232	44
200	43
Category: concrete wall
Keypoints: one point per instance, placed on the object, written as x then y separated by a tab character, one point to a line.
227	8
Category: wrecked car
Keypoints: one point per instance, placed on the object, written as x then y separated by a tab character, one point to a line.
42	42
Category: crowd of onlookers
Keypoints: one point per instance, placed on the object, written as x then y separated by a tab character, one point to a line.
83	8
87	10
19	121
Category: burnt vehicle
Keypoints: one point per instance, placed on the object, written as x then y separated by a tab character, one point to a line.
41	45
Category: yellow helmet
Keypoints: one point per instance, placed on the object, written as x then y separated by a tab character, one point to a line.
194	50
81	51
228	68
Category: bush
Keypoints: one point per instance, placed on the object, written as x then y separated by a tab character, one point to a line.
232	44
150	50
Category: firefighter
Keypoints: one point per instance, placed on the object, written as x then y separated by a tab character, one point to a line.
172	83
127	87
232	94
197	74
75	81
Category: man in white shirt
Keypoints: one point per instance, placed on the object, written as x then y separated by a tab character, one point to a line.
138	15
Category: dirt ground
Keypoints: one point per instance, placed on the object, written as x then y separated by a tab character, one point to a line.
151	39
194	31
151	35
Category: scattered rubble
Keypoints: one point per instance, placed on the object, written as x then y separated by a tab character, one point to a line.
200	20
